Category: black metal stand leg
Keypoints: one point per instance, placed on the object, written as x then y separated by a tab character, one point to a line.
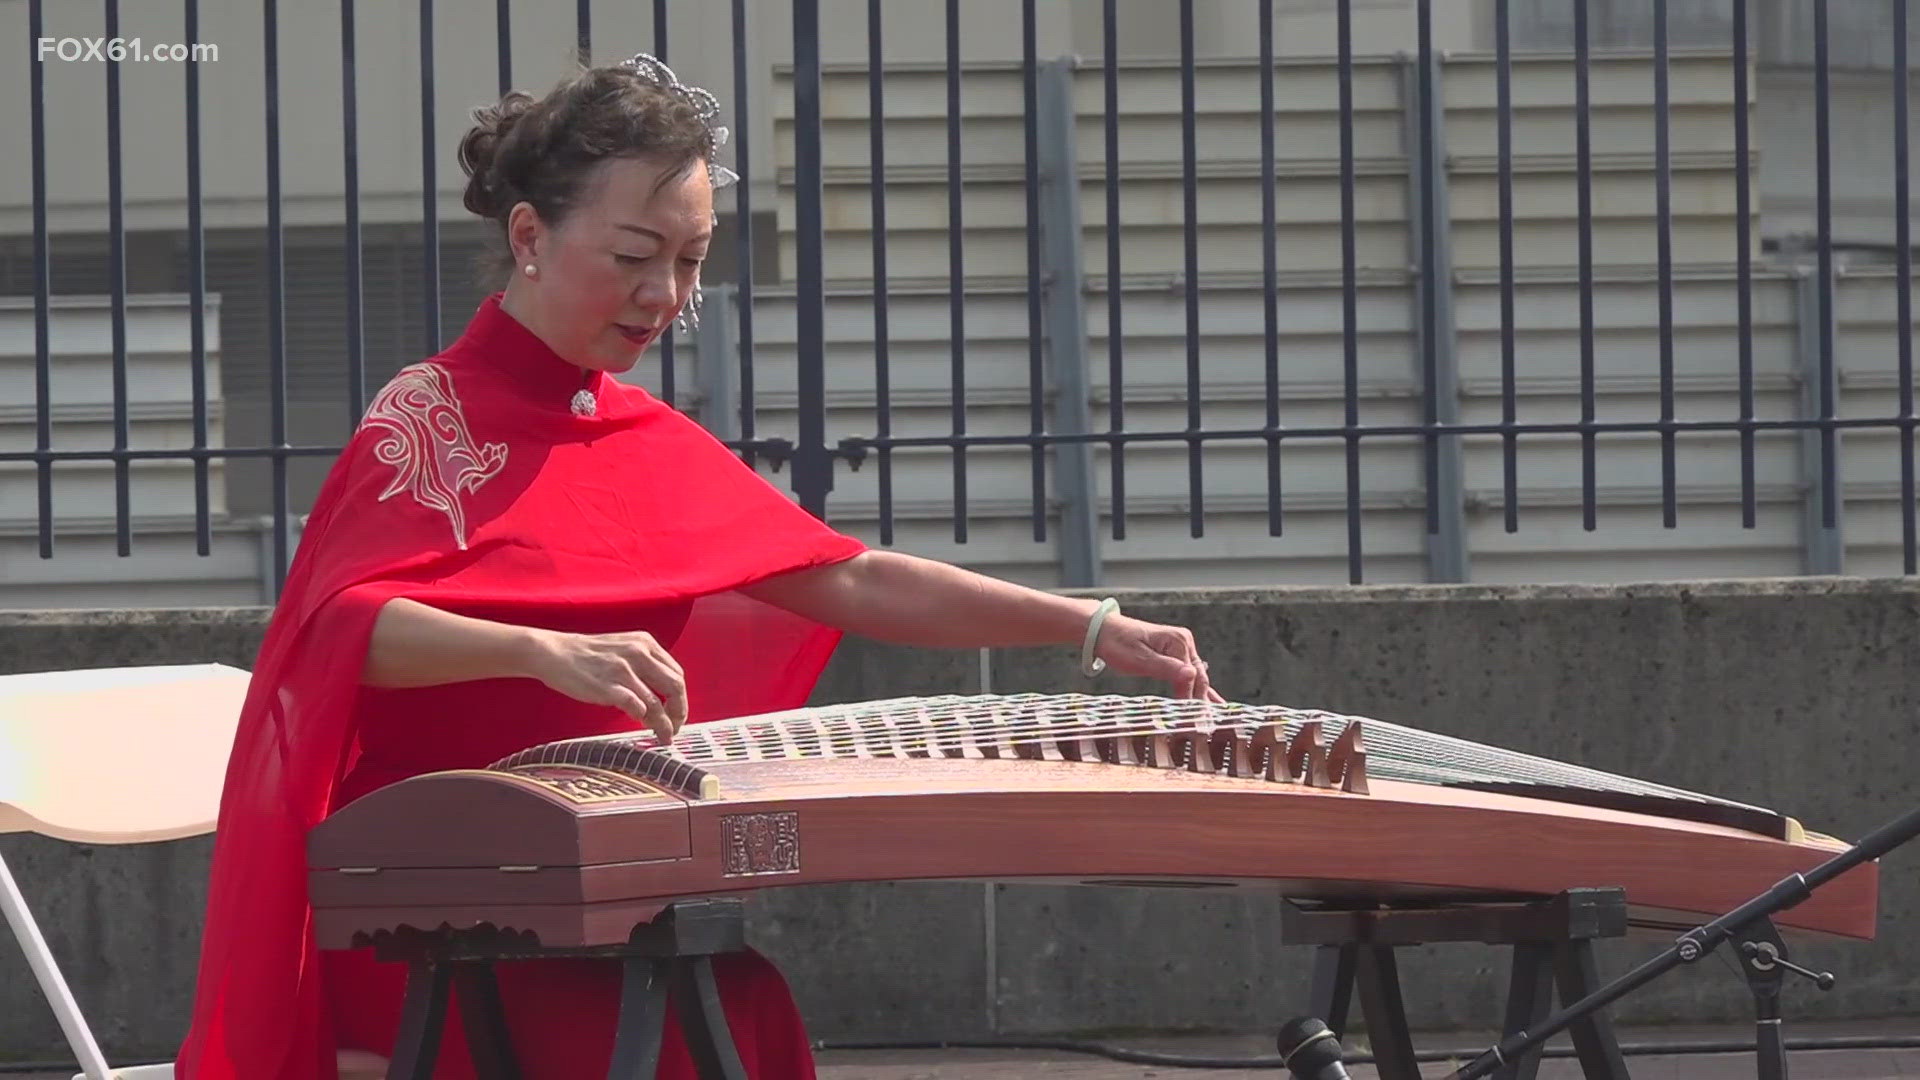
1378	977
1593	1037
422	1016
1332	988
643	1018
485	1020
1529	1001
704	1020
1762	960
1770	1046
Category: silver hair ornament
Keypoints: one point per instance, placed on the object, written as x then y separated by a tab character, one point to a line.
705	106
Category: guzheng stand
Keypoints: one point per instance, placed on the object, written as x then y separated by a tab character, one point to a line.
1552	946
670	957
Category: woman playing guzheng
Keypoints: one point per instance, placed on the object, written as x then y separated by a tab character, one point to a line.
516	548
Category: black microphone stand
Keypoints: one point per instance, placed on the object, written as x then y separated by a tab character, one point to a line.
1766	964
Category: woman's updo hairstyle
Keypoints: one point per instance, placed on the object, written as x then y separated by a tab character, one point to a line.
546	151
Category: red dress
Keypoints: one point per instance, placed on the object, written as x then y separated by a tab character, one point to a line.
471	486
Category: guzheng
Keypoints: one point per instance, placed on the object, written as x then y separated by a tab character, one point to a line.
575	842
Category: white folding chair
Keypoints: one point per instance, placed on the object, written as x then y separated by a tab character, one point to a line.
109	756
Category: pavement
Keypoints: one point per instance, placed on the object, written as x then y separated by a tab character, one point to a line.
952	1063
1808	1064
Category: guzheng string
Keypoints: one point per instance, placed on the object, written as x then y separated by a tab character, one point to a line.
965	724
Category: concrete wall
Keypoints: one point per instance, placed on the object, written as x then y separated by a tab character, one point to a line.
1799	695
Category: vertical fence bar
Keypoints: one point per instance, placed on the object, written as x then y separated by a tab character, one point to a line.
269	584
719	394
1663	209
1269	272
503	43
956	274
42	282
1743	258
350	158
1066	324
1903	292
669	369
1190	201
197	291
1823	547
429	185
1036	353
276	303
1433	251
583	31
1417	95
743	222
877	152
117	275
812	467
1116	348
1583	153
1823	198
1349	293
1509	404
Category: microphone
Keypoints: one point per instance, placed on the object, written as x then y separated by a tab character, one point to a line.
1310	1051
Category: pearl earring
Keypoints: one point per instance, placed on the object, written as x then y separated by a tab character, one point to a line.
530	270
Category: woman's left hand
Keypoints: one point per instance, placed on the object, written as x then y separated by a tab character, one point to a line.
1133	647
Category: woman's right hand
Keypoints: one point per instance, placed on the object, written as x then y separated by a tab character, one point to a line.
630	670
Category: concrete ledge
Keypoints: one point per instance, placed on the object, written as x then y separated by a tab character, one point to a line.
1797	694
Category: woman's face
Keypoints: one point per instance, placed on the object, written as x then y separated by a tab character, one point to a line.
617	271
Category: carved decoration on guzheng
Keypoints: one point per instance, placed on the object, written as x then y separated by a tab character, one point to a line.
583	785
755	844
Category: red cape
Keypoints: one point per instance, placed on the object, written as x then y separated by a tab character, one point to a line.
471	486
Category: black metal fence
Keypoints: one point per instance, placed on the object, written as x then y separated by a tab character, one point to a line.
1064	438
